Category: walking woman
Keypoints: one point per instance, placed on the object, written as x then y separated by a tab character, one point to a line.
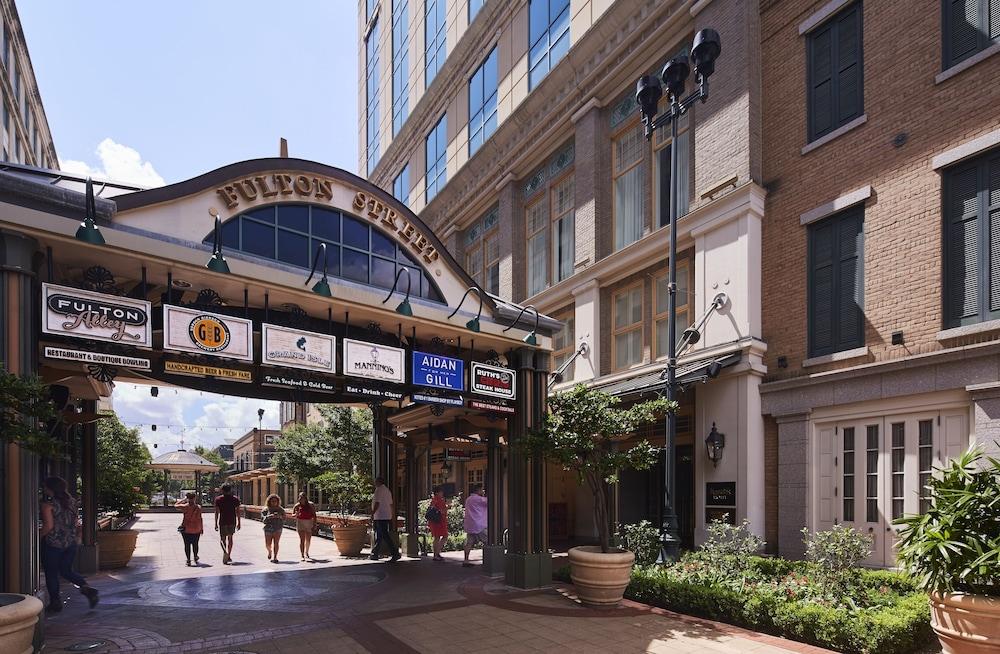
273	516
192	526
437	521
58	533
305	522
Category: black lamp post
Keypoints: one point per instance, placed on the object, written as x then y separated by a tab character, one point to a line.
648	91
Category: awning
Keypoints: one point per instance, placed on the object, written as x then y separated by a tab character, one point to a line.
655	382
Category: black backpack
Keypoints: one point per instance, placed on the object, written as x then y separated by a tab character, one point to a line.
433	514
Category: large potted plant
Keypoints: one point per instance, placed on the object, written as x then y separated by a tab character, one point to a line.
347	491
18	616
954	551
583	433
121	471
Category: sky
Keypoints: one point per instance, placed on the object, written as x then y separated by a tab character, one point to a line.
157	92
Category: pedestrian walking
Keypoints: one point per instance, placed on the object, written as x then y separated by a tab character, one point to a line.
273	516
59	542
475	520
383	514
305	521
192	526
437	521
227	520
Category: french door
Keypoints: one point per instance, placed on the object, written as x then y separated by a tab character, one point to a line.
874	470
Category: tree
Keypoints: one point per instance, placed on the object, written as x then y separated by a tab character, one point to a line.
342	442
582	432
24	410
121	466
212	480
350	431
347	491
303	453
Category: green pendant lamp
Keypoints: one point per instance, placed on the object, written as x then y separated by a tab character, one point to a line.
472	325
88	231
531	338
403	308
322	287
218	262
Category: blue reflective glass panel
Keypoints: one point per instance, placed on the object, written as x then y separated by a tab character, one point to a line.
382	245
258	239
326	224
355	265
293	248
383	273
230	235
355	233
266	214
294	216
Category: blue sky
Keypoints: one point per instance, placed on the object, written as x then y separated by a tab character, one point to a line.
158	92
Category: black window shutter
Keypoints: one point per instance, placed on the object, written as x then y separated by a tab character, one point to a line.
836	72
962	236
993	213
821	82
963	18
836	283
994	19
849	66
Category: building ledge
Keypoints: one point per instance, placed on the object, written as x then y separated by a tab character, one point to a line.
840	131
966	150
845	355
965	64
835	205
969	330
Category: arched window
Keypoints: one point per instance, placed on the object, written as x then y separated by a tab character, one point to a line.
290	234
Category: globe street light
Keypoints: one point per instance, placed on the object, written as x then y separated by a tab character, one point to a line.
648	91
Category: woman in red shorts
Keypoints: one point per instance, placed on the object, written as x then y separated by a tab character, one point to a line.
305	521
438	526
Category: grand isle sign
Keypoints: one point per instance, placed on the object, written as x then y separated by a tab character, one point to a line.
77	313
295	348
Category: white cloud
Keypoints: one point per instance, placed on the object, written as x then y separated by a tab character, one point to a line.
199	418
119	163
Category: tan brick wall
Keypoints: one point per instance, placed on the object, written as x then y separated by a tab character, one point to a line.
902	276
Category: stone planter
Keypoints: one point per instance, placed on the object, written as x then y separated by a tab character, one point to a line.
966	624
350	539
600	578
115	547
18	617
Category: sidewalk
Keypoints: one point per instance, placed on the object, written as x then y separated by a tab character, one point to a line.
158	604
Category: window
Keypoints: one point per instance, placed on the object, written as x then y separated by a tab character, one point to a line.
371	88
564	343
970	26
660	301
972	241
871	474
400	63
436	150
629	177
926	459
662	146
474	7
482	251
370	7
898	458
291	234
435	38
836	289
548	36
483	102
836	79
627	327
549	220
476	478
401	185
6	48
848	474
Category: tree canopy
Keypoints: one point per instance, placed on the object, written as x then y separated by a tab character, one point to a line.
342	442
121	466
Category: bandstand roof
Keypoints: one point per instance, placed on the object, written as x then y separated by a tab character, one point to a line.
182	461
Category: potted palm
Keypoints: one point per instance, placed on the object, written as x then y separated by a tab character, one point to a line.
583	433
346	491
954	551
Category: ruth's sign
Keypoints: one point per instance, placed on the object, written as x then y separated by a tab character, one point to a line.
438	371
294	348
77	313
199	332
371	361
136	363
493	381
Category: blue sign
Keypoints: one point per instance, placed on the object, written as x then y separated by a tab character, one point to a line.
438	371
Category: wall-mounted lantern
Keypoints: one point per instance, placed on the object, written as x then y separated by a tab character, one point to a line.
322	287
88	231
404	308
218	262
715	442
531	338
472	325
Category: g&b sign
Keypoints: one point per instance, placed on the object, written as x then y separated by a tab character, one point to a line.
77	313
198	332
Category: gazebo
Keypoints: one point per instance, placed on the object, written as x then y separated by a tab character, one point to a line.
183	463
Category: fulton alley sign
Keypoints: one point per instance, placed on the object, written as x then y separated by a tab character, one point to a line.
436	371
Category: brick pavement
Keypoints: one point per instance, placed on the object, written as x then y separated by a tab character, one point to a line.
158	605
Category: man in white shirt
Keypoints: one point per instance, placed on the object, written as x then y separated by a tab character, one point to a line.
383	516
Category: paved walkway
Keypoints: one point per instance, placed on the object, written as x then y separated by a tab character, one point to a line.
158	604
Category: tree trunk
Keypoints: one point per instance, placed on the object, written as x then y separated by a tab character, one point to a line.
600	509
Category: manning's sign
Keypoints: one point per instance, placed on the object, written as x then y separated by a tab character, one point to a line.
371	361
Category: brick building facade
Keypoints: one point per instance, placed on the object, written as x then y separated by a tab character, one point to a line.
860	414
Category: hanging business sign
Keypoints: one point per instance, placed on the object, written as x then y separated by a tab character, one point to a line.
457	455
78	313
294	348
136	363
491	406
371	361
293	381
199	332
197	370
371	393
447	400
493	381
436	371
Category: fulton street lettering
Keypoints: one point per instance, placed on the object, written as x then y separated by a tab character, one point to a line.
284	185
388	219
493	381
84	314
438	371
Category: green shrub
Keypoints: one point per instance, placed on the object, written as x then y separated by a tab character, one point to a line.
836	553
728	548
642	539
